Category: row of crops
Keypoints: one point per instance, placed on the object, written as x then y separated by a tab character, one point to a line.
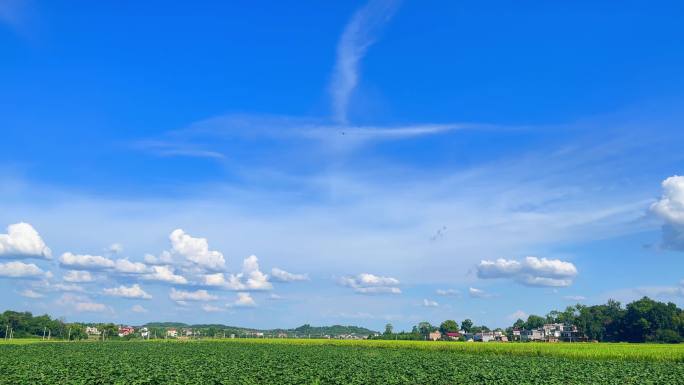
298	362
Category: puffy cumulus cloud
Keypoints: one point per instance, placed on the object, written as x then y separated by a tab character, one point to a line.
284	276
532	271
78	276
479	293
256	280
164	274
430	303
125	266
28	293
196	250
165	258
366	283
243	300
448	292
251	278
138	309
670	208
23	241
85	261
17	269
199	295
132	292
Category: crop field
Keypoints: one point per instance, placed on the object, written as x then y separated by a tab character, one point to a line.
337	362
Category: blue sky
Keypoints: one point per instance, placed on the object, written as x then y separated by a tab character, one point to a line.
393	161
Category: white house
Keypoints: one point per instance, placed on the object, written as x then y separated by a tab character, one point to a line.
92	330
172	333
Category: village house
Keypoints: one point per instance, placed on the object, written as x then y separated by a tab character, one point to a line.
144	333
125	330
532	335
173	333
434	336
92	331
551	333
452	335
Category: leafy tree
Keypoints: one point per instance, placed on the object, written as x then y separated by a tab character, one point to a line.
467	325
388	329
448	326
534	322
425	328
519	324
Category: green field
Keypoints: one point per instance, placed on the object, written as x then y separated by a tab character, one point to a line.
338	362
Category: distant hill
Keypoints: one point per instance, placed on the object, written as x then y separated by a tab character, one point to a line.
333	330
301	331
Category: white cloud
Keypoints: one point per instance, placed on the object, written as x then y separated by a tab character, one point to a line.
430	303
448	292
284	276
115	248
16	269
479	293
23	241
211	308
577	298
196	250
366	283
138	309
199	295
251	277
127	267
243	300
91	307
78	276
132	292
256	280
359	34
82	303
498	269
670	208
66	287
532	271
518	314
28	293
85	261
164	259
164	274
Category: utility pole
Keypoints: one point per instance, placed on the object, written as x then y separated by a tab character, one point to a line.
6	331
44	329
69	337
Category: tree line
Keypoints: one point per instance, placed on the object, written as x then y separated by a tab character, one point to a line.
643	320
24	325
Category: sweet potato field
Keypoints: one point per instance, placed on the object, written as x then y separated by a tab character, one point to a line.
317	362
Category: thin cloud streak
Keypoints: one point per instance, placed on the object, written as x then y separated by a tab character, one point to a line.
359	34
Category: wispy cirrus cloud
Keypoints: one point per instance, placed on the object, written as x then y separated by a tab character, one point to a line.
359	34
